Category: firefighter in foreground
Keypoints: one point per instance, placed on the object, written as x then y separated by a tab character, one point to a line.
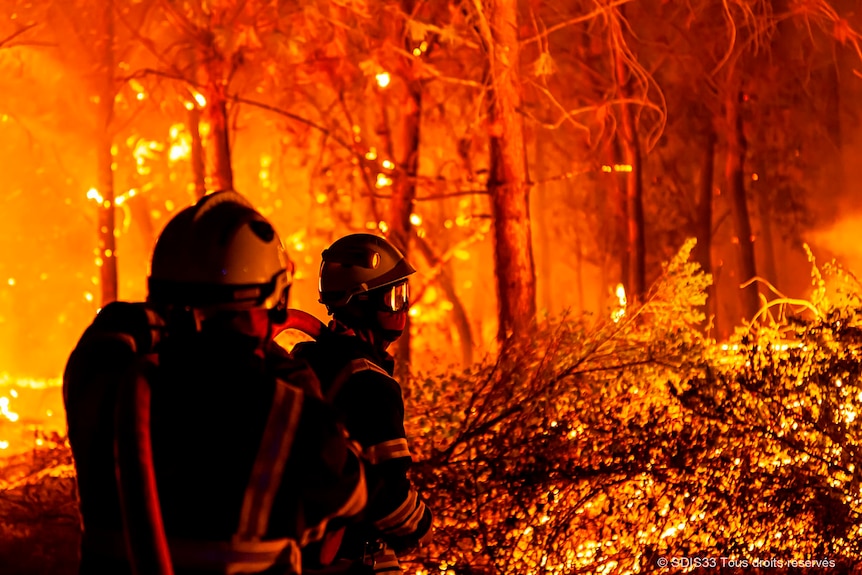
363	283
250	463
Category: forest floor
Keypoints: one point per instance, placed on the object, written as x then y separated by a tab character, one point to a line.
39	526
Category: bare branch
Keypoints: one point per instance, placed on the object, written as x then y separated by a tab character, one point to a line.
295	117
5	41
577	20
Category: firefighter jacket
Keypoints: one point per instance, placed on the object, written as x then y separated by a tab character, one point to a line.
250	463
359	383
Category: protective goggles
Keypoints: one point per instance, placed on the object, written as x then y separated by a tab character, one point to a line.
395	298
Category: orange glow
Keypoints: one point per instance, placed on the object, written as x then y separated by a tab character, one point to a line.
27	408
5	411
383	181
93	194
616	168
146	150
622	300
180	142
383	79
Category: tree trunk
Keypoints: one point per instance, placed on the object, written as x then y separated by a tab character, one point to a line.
703	250
635	279
197	153
513	254
544	224
735	174
198	162
404	191
105	160
764	212
215	112
618	233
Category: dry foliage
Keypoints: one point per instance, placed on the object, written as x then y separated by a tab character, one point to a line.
39	527
609	446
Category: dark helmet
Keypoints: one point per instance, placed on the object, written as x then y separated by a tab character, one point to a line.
220	254
359	263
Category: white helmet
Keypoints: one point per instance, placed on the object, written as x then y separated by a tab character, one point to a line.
220	254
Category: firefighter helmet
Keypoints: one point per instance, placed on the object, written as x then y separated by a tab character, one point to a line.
220	254
360	263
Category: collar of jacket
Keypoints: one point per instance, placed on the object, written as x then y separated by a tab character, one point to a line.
358	347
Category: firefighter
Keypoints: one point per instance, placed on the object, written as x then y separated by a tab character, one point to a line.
363	284
250	464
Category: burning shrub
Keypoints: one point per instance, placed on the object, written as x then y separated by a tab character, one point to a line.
611	447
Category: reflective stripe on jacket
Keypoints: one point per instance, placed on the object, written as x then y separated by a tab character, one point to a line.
353	378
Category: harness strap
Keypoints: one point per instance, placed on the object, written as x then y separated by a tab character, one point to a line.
136	480
269	465
353	367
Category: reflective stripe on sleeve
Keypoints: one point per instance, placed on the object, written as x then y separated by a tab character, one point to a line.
386	450
411	524
400	515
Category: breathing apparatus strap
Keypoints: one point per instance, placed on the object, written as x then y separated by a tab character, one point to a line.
145	537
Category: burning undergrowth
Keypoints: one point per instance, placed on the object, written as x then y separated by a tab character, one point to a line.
39	527
612	447
606	446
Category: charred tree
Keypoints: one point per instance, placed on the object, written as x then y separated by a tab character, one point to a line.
105	160
635	274
769	268
735	175
703	250
508	181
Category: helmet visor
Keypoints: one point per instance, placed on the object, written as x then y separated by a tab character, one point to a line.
395	298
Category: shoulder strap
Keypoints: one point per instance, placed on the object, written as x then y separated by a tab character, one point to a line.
352	367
